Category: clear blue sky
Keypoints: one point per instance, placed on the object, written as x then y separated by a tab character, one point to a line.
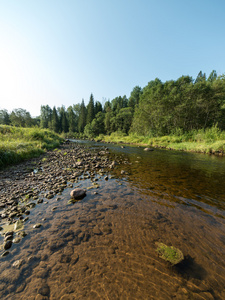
58	52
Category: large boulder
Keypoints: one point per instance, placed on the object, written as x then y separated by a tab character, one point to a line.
78	194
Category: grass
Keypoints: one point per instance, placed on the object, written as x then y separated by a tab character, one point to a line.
18	144
211	140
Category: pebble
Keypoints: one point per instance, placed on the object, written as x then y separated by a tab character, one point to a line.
38	225
7	245
5	253
16	240
17	263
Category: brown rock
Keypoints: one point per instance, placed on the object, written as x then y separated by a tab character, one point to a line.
78	193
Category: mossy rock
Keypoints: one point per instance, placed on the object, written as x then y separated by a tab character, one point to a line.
171	254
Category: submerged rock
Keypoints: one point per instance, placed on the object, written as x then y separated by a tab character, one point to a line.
148	149
78	194
7	245
171	254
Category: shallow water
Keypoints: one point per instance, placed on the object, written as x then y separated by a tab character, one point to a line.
104	246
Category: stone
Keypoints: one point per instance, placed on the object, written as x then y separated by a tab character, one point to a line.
78	193
18	225
148	149
7	245
5	253
16	240
38	225
44	290
17	263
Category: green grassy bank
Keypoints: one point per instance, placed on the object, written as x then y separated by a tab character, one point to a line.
205	141
18	144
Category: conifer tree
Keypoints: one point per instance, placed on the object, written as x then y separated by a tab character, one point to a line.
90	110
55	120
82	117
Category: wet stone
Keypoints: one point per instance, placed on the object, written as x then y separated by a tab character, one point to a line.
78	193
5	253
16	240
8	238
22	233
38	225
44	290
18	263
7	245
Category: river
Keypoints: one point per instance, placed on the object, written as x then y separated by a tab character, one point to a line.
104	246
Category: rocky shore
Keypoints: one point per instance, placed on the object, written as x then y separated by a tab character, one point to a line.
33	182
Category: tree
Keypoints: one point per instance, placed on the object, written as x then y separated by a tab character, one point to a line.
90	110
82	117
118	103
63	119
4	117
21	118
124	119
72	120
55	121
98	123
201	77
98	107
212	76
134	97
46	116
108	117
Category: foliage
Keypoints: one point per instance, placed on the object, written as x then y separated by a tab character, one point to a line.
90	110
20	117
18	144
180	111
183	104
82	117
211	140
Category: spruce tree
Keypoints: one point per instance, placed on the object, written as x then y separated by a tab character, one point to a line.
90	110
55	120
82	117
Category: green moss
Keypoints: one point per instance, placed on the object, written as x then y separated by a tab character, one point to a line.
171	254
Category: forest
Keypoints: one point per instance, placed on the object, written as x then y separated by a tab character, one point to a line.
158	109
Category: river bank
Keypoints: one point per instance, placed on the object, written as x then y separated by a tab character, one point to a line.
18	144
209	141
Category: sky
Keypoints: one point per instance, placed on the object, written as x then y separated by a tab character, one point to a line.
59	52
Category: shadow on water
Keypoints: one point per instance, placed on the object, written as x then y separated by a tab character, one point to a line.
189	269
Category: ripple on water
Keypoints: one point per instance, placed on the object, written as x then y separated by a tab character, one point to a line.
104	246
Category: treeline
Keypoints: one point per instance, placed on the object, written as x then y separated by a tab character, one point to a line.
18	117
176	106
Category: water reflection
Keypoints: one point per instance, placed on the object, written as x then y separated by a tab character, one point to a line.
185	178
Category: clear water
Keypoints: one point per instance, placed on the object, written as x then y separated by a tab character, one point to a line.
104	246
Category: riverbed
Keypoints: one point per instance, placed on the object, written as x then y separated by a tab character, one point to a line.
104	246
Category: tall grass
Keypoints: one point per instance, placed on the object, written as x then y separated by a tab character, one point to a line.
18	144
210	140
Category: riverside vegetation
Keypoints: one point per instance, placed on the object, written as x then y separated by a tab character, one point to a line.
184	114
18	144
